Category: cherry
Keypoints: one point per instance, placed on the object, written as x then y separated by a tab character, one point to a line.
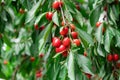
88	75
98	24
5	62
41	55
38	74
54	38
105	8
41	28
115	57
60	49
36	27
85	53
103	30
0	35
72	26
77	7
32	59
66	41
118	64
65	54
109	57
56	42
62	23
74	35
21	11
77	42
57	4
49	16
64	31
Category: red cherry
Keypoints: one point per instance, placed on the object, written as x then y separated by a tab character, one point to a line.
41	55
21	11
32	59
66	41
5	62
115	57
118	64
54	38
74	35
56	42
62	23
65	54
77	42
77	7
38	74
49	16
98	24
72	26
0	35
57	4
61	3
109	57
41	28
88	75
85	53
105	8
60	49
64	31
36	27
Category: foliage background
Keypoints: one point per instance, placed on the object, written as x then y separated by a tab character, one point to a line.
19	40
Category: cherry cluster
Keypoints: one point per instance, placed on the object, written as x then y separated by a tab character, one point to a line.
112	57
63	45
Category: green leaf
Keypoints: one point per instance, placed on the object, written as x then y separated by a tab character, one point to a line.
79	18
70	67
98	34
56	55
55	18
117	37
44	35
68	15
108	37
81	1
94	16
63	73
84	63
85	36
112	16
101	50
32	12
7	40
39	18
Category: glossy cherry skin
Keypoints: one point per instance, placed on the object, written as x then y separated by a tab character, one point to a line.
98	24
65	54
32	59
49	16
38	74
74	35
56	42
115	57
36	27
64	31
56	4
60	49
66	41
77	42
110	57
88	75
72	26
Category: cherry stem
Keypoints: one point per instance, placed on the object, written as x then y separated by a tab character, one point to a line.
62	14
